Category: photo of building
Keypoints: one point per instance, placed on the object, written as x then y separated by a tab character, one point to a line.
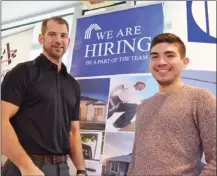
117	153
92	110
116	166
93	103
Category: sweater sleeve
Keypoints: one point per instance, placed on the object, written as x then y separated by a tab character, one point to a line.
206	123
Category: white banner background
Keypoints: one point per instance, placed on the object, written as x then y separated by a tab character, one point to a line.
19	41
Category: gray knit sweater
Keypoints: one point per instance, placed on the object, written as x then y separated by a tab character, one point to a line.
172	131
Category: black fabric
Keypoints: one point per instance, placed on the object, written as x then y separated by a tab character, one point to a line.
49	169
48	101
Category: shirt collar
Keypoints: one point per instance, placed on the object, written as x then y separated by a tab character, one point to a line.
47	64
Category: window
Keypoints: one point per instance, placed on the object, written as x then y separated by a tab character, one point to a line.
114	167
98	111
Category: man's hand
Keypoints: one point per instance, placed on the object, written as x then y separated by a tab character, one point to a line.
34	171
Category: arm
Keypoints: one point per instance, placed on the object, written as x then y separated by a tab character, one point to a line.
13	89
206	122
112	92
115	89
76	153
14	152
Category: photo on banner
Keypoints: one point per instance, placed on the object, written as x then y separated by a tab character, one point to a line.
125	95
108	44
117	153
92	144
93	103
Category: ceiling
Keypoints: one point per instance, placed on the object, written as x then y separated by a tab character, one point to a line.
18	10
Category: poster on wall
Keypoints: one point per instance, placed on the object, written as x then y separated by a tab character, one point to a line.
93	103
116	43
14	50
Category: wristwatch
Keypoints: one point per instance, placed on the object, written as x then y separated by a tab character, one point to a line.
84	172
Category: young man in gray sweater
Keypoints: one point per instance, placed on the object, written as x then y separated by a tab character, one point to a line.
177	124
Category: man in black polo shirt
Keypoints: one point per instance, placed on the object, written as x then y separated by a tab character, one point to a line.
40	110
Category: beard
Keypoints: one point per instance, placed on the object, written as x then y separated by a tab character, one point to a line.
53	54
166	82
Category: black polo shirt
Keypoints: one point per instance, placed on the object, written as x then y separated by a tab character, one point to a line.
48	102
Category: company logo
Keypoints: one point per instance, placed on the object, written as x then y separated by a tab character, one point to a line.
201	20
7	55
90	29
113	43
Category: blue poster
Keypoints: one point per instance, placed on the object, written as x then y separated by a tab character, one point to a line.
199	26
116	43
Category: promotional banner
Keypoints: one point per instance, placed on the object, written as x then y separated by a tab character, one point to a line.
116	43
15	49
106	47
110	61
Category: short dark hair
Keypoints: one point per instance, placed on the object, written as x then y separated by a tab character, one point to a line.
139	82
57	19
169	38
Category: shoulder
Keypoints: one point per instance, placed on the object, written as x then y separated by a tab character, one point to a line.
21	67
73	81
147	102
20	70
127	85
198	92
200	96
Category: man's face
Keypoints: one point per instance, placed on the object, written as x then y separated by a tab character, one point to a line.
166	63
55	41
140	87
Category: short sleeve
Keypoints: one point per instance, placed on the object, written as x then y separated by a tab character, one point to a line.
14	84
75	116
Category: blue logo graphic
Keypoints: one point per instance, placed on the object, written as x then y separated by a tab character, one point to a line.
201	21
89	30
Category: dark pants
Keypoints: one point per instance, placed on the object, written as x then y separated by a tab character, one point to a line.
49	169
129	113
129	110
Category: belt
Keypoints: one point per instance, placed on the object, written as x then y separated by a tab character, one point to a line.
51	158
